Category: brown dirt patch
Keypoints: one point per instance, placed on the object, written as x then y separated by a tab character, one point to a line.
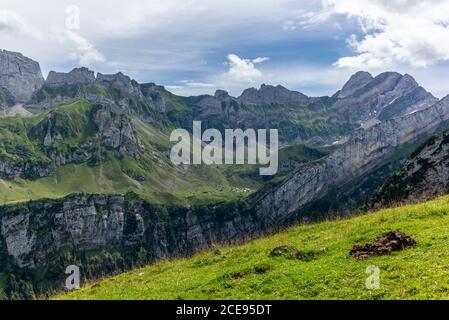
385	244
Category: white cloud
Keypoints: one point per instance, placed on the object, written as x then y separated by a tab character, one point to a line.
241	74
412	32
243	70
260	60
13	24
196	84
305	19
82	50
163	42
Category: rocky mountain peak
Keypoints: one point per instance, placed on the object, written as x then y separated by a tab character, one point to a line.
388	95
121	82
357	81
407	82
19	76
221	95
76	76
268	94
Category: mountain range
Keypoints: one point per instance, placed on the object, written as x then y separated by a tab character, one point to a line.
86	176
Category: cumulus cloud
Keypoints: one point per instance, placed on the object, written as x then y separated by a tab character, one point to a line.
412	32
244	70
82	50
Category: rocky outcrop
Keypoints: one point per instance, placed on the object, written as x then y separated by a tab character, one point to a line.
19	75
117	132
365	150
78	76
278	95
153	92
79	222
11	168
423	176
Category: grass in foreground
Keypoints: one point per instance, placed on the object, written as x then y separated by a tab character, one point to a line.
248	272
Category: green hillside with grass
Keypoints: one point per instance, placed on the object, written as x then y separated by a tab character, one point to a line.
152	175
324	269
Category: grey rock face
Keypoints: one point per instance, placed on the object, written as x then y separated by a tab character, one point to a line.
424	175
82	223
117	132
11	168
227	108
363	152
124	84
153	92
267	95
74	77
221	95
357	81
386	96
19	75
35	231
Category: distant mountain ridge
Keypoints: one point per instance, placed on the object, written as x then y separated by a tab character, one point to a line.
363	153
318	121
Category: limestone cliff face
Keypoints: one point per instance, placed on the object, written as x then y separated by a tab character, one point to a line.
117	132
423	176
78	76
80	223
37	231
153	92
19	75
356	82
124	84
363	152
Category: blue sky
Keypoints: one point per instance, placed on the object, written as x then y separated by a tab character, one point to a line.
197	46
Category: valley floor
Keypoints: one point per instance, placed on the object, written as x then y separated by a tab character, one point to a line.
249	272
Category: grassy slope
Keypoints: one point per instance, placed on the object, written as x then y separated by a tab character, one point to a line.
422	272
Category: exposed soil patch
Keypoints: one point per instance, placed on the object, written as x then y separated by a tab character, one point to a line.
389	242
259	269
290	252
